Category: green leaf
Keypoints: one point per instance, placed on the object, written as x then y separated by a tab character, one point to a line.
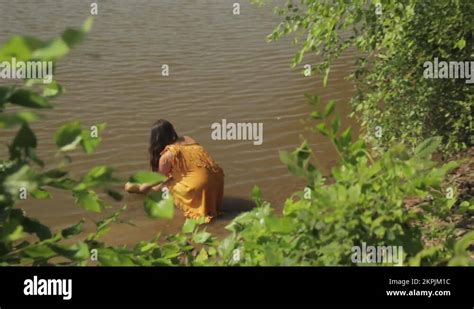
256	195
316	115
55	173
329	108
54	50
114	257
158	207
27	98
53	90
73	230
428	146
298	57
322	129
89	141
41	194
76	252
39	251
201	237
87	25
280	225
33	226
59	47
143	177
336	124
19	47
68	136
12	230
202	256
346	137
98	175
72	37
24	139
189	226
326	76
23	178
89	201
10	120
463	244
460	44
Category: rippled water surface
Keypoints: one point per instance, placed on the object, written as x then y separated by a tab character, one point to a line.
221	67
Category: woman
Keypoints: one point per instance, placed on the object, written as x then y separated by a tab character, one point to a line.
195	181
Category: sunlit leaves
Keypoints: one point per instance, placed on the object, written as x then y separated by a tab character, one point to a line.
10	231
98	176
460	44
298	163
156	206
89	200
59	47
201	237
91	140
41	194
189	226
25	178
68	136
19	47
53	90
71	135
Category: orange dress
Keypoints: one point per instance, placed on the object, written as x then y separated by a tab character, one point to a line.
197	183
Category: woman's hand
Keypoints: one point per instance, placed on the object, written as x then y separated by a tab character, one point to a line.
158	188
132	187
144	188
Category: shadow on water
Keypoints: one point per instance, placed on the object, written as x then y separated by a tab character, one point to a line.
234	206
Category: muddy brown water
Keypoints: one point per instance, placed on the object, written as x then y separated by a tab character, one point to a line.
221	67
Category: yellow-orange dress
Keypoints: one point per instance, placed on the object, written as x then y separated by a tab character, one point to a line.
197	184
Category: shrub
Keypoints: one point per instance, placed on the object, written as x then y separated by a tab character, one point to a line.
394	39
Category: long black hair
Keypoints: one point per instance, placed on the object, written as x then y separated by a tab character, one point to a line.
162	135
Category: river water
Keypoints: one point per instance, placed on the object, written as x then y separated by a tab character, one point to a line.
221	67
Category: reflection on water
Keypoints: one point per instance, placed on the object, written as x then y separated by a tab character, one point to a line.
221	67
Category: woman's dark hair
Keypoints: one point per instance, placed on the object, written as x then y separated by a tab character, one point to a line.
162	135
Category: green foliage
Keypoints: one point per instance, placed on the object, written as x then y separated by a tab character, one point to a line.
24	240
392	46
362	201
158	206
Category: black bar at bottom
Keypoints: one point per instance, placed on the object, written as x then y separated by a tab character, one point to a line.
239	285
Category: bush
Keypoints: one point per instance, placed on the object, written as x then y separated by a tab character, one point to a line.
394	39
364	202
